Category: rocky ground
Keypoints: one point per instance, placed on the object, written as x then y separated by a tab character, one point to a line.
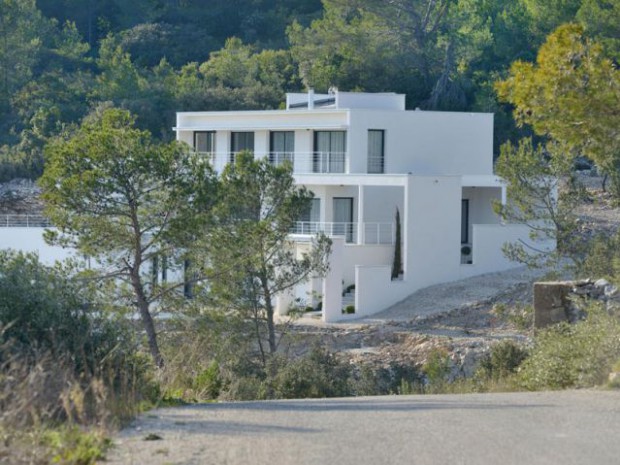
20	197
461	319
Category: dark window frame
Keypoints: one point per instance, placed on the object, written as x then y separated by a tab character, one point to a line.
204	132
382	164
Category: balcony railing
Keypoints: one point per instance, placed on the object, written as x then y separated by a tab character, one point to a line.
24	221
372	233
302	162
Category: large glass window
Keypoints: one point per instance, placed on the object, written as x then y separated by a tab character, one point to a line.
240	141
343	217
376	160
329	151
310	218
282	146
204	141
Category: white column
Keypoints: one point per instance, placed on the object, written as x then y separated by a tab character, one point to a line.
360	214
504	200
283	303
332	283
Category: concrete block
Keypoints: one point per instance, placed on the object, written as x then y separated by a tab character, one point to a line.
551	302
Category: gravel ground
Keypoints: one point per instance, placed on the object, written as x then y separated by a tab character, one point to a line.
468	292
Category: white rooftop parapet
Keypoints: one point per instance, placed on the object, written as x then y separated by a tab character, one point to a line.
345	100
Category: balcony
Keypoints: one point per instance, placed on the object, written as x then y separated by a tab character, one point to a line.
24	221
303	162
371	233
311	162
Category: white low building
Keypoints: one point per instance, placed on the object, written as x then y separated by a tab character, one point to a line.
365	157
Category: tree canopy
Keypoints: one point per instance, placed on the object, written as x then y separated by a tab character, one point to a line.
126	201
572	96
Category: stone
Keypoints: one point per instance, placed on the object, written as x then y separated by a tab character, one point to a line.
611	291
551	302
601	283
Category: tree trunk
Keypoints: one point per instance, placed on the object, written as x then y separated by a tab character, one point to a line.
271	327
147	318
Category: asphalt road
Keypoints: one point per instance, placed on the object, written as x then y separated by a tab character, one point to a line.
569	427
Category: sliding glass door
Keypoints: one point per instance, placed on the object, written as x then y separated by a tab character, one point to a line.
343	217
281	147
240	141
329	151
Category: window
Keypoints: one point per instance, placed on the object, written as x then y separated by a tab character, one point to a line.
240	141
281	147
310	218
329	152
464	221
204	141
376	161
343	217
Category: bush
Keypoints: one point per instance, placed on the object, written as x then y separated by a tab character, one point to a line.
436	368
503	360
61	358
318	374
393	379
573	356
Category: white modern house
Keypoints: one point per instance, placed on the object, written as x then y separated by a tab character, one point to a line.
365	157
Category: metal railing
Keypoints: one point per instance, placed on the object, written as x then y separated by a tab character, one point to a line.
302	162
24	221
372	233
379	233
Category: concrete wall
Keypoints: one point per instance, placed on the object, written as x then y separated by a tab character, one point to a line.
257	120
425	143
419	142
31	240
481	206
364	255
432	233
487	243
380	203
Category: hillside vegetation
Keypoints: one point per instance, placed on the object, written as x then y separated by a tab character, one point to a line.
60	60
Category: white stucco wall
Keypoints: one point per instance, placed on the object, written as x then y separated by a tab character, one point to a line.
380	203
420	142
364	255
488	240
481	205
425	143
433	229
31	240
257	120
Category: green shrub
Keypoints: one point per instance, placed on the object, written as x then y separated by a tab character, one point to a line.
437	367
396	378
73	446
208	383
318	374
503	360
573	356
349	310
61	356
